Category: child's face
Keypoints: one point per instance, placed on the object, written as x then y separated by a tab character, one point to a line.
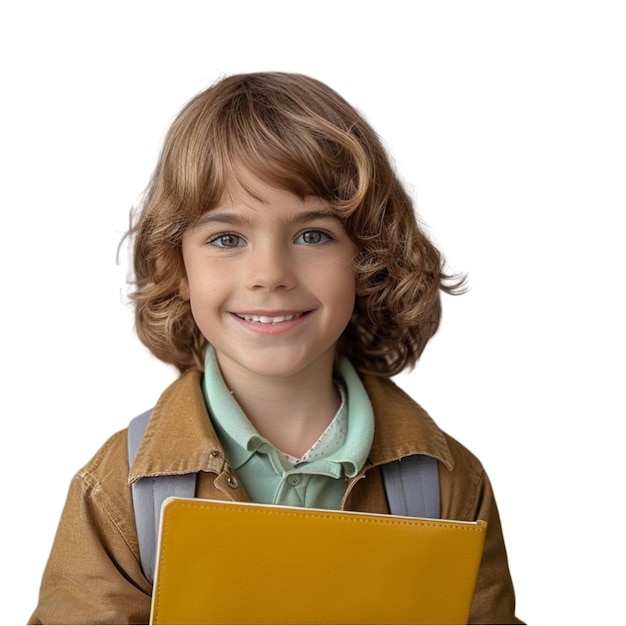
270	281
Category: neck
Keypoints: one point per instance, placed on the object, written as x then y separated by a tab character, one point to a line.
290	412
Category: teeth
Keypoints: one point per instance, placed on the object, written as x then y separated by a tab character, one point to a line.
264	319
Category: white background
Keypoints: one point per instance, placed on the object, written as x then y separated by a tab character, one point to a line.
507	119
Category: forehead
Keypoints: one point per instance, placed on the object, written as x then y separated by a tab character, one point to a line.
244	191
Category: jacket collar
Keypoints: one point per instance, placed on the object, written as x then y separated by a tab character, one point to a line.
402	427
180	439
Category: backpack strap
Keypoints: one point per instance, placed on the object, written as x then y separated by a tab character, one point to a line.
412	486
149	494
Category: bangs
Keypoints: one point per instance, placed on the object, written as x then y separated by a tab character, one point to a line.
307	161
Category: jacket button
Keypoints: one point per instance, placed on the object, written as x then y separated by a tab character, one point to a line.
232	481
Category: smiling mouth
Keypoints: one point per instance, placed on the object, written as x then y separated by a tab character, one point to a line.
266	319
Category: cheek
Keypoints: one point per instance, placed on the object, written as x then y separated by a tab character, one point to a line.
340	286
207	291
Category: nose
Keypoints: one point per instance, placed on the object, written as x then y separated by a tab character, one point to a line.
270	268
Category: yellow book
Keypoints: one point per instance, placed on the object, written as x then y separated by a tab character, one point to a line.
234	563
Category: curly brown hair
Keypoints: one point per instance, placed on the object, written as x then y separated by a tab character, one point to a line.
298	134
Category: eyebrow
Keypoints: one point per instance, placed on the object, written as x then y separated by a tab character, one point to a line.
235	219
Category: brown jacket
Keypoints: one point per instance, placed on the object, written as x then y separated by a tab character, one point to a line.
94	576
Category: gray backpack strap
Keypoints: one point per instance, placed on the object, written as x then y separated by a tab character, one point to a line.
149	494
412	486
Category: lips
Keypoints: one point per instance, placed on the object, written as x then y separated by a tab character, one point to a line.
269	319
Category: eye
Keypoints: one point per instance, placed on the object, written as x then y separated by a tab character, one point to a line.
313	237
227	240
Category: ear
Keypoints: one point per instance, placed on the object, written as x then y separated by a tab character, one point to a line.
183	289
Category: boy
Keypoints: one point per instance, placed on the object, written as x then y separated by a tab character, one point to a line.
280	267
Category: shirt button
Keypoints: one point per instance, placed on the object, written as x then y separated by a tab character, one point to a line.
293	480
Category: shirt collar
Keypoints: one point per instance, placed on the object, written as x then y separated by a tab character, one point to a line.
241	440
235	431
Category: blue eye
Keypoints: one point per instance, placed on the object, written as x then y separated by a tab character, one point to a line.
313	237
227	240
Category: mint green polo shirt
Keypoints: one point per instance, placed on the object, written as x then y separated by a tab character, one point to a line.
266	474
